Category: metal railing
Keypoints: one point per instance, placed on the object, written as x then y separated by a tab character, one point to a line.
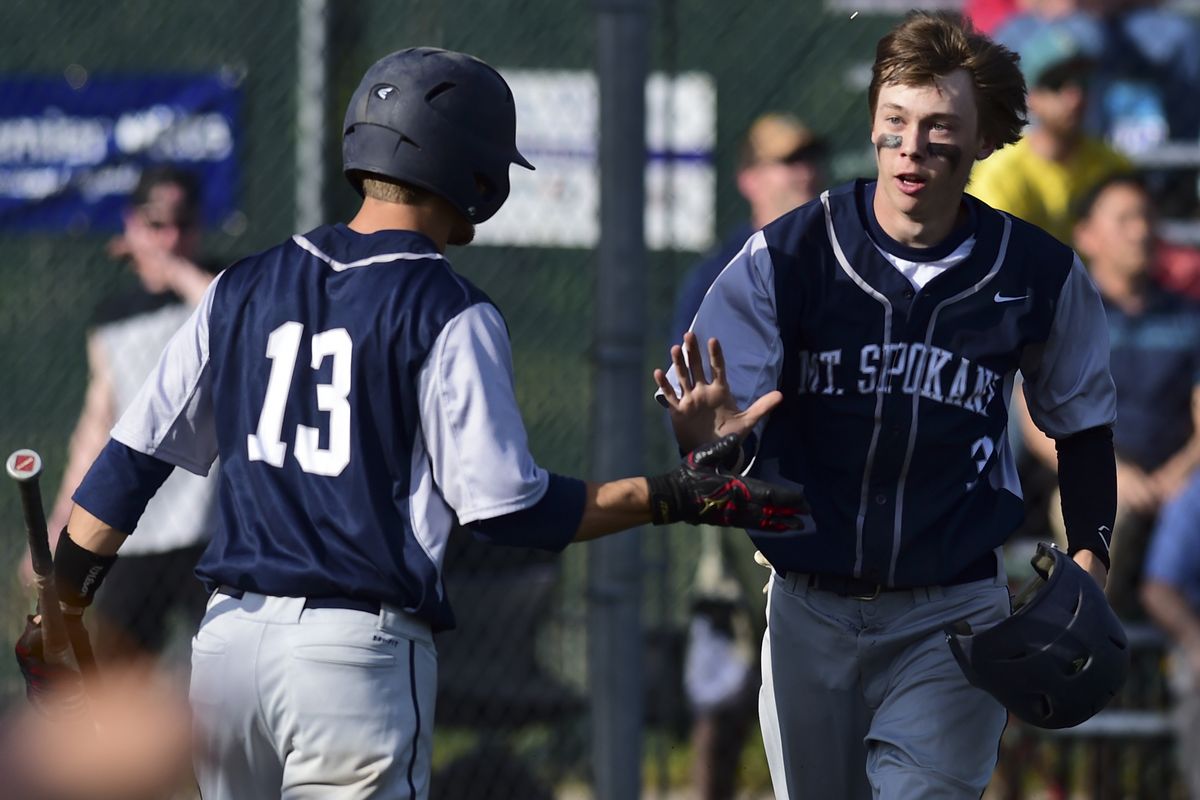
1125	751
1170	157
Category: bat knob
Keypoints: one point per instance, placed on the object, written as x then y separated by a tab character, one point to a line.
24	465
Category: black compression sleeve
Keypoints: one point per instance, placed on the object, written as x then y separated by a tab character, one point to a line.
78	572
1087	481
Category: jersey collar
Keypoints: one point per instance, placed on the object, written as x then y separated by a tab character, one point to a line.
851	227
960	234
343	248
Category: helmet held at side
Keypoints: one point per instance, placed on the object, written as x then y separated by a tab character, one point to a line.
1062	654
439	120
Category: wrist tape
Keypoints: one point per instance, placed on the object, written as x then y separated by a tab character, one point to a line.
78	573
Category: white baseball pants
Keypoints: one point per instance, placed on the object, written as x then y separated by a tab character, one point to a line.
311	704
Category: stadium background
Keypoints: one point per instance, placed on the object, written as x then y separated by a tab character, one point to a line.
518	685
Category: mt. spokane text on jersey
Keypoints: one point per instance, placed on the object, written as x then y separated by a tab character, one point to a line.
911	368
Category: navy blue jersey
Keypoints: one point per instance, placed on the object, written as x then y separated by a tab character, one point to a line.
896	375
359	394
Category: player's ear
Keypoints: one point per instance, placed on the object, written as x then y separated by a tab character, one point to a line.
985	149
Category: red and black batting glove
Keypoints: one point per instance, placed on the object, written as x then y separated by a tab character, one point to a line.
53	683
706	489
54	680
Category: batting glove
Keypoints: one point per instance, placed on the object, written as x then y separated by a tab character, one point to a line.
705	489
53	683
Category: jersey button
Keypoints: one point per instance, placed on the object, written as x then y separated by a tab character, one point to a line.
881	499
909	294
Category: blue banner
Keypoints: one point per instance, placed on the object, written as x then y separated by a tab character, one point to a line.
70	157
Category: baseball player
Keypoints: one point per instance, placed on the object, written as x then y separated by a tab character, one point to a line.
360	396
893	315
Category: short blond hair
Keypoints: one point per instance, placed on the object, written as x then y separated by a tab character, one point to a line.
390	191
927	46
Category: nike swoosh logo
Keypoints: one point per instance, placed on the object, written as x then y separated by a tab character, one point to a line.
999	298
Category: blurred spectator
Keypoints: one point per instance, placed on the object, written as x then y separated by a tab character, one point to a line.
781	165
1148	65
989	15
1147	72
153	578
721	676
1155	340
492	684
1171	597
1177	267
1041	177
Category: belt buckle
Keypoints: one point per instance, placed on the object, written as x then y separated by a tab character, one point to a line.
867	597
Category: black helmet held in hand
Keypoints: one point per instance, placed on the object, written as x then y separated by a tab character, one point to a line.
1061	655
438	120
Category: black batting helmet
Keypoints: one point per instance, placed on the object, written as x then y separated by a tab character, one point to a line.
439	120
1061	655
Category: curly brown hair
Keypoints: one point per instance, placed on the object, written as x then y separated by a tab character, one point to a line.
931	45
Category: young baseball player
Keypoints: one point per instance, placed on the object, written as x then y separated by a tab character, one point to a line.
360	396
893	314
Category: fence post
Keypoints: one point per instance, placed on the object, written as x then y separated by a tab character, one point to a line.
619	383
312	61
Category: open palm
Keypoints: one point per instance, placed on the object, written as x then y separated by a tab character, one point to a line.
705	409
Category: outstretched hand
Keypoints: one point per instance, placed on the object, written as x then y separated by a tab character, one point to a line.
705	410
704	490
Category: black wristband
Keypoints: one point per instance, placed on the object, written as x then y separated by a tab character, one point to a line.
78	573
664	499
1087	485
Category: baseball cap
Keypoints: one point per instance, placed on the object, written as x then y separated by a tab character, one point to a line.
780	138
1053	51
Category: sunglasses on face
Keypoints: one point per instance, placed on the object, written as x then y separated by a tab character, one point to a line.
181	223
808	154
1057	85
1071	74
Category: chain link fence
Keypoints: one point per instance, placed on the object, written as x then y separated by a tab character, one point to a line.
513	704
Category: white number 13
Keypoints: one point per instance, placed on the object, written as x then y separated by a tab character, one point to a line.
266	444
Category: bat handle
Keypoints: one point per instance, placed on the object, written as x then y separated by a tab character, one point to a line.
35	523
82	648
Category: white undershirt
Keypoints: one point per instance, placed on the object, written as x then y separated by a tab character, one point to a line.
919	273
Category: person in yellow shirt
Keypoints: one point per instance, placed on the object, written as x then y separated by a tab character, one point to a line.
1041	177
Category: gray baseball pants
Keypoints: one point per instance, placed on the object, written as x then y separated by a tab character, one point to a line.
863	699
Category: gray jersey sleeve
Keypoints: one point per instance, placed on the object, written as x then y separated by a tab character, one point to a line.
1068	386
171	417
739	311
472	427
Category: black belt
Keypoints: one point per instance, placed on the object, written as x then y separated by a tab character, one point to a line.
352	603
843	586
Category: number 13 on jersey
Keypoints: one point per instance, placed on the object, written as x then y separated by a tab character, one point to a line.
266	444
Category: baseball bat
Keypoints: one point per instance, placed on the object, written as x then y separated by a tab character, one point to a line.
24	467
